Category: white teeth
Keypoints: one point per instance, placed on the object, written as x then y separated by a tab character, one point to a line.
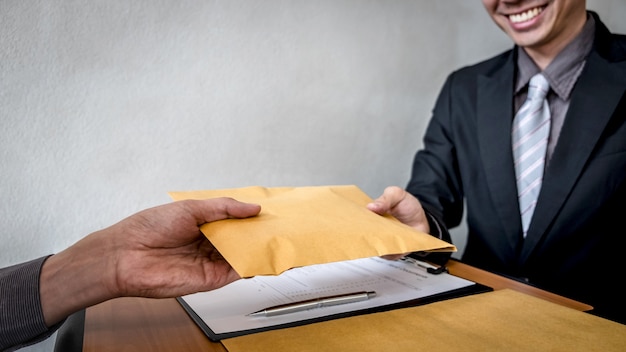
525	16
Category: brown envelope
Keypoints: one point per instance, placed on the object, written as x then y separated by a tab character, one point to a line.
301	226
502	320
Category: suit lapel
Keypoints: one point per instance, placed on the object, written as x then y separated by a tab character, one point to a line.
494	114
593	101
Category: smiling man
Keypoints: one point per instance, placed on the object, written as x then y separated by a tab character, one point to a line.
542	28
543	180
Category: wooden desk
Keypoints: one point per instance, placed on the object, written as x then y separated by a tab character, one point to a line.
140	324
498	282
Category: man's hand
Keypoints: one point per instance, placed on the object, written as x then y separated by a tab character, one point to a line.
162	253
158	252
404	207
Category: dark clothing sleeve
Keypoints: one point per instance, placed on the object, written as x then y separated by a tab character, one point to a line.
437	229
21	316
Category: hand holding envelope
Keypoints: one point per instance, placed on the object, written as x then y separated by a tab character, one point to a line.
300	226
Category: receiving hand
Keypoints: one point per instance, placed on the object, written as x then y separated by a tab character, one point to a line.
404	207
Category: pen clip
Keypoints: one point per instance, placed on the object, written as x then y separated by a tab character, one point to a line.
437	271
430	268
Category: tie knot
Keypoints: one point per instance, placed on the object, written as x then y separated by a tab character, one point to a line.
538	87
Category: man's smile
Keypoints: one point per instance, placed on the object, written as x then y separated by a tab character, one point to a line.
526	15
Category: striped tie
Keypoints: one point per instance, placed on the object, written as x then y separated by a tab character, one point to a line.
531	128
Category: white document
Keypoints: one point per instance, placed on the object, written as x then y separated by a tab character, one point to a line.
225	310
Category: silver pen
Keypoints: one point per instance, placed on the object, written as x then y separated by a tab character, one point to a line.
314	303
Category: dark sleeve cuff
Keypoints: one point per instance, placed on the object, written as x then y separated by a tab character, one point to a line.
21	316
437	229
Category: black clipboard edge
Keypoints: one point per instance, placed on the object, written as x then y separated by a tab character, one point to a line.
457	293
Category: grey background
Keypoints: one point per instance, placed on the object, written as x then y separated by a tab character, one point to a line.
107	105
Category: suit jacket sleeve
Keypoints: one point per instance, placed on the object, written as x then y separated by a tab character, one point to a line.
435	192
435	180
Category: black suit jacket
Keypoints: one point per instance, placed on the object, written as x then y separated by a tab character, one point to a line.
577	238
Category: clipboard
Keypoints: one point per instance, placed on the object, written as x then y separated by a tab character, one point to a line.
407	282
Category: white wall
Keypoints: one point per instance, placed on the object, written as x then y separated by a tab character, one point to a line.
106	105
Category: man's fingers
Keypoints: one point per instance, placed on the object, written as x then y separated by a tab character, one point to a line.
237	209
378	207
390	198
208	210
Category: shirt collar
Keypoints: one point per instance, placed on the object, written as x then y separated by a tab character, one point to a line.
564	70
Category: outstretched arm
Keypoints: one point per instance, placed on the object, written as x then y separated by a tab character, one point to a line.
158	252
